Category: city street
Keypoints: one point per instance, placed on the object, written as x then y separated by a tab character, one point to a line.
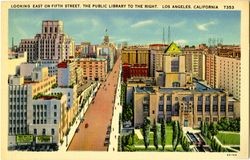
96	125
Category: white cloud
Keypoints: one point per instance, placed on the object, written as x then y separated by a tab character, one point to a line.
179	24
204	26
142	23
181	42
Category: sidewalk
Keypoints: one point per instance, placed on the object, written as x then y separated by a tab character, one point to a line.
114	134
67	139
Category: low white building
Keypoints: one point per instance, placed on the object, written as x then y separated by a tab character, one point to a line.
49	117
71	103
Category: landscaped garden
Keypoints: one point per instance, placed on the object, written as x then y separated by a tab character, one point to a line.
169	133
157	137
229	138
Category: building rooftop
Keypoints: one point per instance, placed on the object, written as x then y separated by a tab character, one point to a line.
82	87
173	49
199	87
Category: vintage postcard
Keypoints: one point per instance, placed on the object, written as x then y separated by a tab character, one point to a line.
125	80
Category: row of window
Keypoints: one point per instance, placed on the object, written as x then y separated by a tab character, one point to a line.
200	98
17	107
18	99
41	107
17	122
199	108
17	129
44	131
17	92
18	114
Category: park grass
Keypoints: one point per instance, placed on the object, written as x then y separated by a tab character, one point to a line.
169	135
229	138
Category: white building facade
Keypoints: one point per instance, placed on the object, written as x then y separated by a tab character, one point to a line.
52	43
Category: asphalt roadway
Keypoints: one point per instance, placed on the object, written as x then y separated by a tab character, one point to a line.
98	117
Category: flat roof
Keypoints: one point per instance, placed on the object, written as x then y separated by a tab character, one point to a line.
200	88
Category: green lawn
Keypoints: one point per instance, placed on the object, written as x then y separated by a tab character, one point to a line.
229	138
169	133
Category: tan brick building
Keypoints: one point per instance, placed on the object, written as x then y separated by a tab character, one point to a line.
93	68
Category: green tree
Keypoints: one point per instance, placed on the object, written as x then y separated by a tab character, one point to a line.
202	128
213	129
205	129
163	133
156	135
127	113
176	134
146	131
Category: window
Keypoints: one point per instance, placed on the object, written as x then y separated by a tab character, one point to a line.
200	98
55	121
145	108
44	131
153	112
215	108
35	131
215	98
223	98
168	98
207	98
161	108
169	108
45	121
52	131
222	108
230	108
55	106
215	119
199	108
175	65
55	114
34	121
207	108
34	107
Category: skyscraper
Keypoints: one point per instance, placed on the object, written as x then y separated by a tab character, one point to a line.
52	43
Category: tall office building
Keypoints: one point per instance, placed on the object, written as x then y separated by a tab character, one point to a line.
195	62
229	75
156	57
224	72
52	43
136	55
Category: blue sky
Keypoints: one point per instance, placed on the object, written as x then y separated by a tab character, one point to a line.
134	26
